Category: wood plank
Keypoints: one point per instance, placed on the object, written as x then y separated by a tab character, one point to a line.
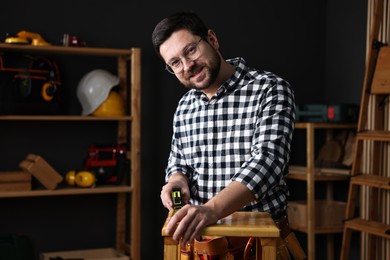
374	135
64	118
14	176
67	191
381	79
65	50
320	173
376	181
369	226
303	125
15	186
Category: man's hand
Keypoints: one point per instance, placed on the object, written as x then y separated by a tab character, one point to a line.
176	180
187	223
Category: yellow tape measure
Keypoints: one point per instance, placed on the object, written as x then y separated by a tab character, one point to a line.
176	199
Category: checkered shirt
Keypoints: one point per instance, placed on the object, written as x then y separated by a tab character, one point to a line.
242	134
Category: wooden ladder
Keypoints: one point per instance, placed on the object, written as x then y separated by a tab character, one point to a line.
373	181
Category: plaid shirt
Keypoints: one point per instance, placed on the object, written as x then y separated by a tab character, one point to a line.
243	134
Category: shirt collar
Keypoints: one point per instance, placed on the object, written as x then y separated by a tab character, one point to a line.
240	67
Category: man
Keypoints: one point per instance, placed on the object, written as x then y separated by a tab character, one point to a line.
231	132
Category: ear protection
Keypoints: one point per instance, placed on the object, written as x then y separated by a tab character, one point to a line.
49	88
83	179
49	72
48	91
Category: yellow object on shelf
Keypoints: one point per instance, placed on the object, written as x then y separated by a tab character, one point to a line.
24	37
83	179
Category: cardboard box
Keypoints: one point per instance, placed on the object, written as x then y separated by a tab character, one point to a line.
88	254
327	213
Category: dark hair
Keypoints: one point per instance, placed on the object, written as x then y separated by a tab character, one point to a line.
175	22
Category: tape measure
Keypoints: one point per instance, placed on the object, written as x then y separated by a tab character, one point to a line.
176	199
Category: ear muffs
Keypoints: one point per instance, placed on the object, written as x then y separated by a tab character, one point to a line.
85	179
48	91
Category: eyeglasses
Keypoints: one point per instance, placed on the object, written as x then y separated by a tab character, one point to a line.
190	53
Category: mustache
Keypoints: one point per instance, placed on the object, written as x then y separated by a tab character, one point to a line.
193	70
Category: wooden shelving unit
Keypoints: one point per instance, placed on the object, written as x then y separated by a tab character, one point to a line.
312	174
369	191
128	131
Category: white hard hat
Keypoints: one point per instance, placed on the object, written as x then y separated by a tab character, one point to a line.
93	89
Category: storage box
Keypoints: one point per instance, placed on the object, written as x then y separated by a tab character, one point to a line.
342	113
41	170
89	254
327	213
15	181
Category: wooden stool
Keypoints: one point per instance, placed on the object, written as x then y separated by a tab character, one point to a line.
240	224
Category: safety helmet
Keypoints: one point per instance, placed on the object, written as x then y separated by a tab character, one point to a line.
114	105
93	89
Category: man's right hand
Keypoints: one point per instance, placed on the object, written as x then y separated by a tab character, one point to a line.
177	180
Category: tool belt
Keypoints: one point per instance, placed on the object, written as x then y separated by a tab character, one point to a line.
288	246
283	226
219	247
241	248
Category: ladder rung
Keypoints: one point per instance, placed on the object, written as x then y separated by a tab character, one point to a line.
376	181
368	226
374	135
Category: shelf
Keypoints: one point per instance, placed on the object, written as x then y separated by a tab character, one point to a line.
301	125
320	230
66	191
321	174
65	118
66	50
325	221
313	212
128	131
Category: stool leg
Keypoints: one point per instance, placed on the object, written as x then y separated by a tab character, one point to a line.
171	249
268	248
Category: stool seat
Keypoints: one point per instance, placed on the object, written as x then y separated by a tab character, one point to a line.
239	224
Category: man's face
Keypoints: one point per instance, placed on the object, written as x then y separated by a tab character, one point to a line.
199	73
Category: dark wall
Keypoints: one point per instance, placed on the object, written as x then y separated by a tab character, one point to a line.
316	45
345	50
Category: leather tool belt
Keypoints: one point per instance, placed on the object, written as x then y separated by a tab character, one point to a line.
241	248
288	244
283	226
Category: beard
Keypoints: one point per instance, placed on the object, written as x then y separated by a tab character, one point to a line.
211	67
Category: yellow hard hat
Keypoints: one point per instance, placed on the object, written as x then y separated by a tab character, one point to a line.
114	105
93	88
